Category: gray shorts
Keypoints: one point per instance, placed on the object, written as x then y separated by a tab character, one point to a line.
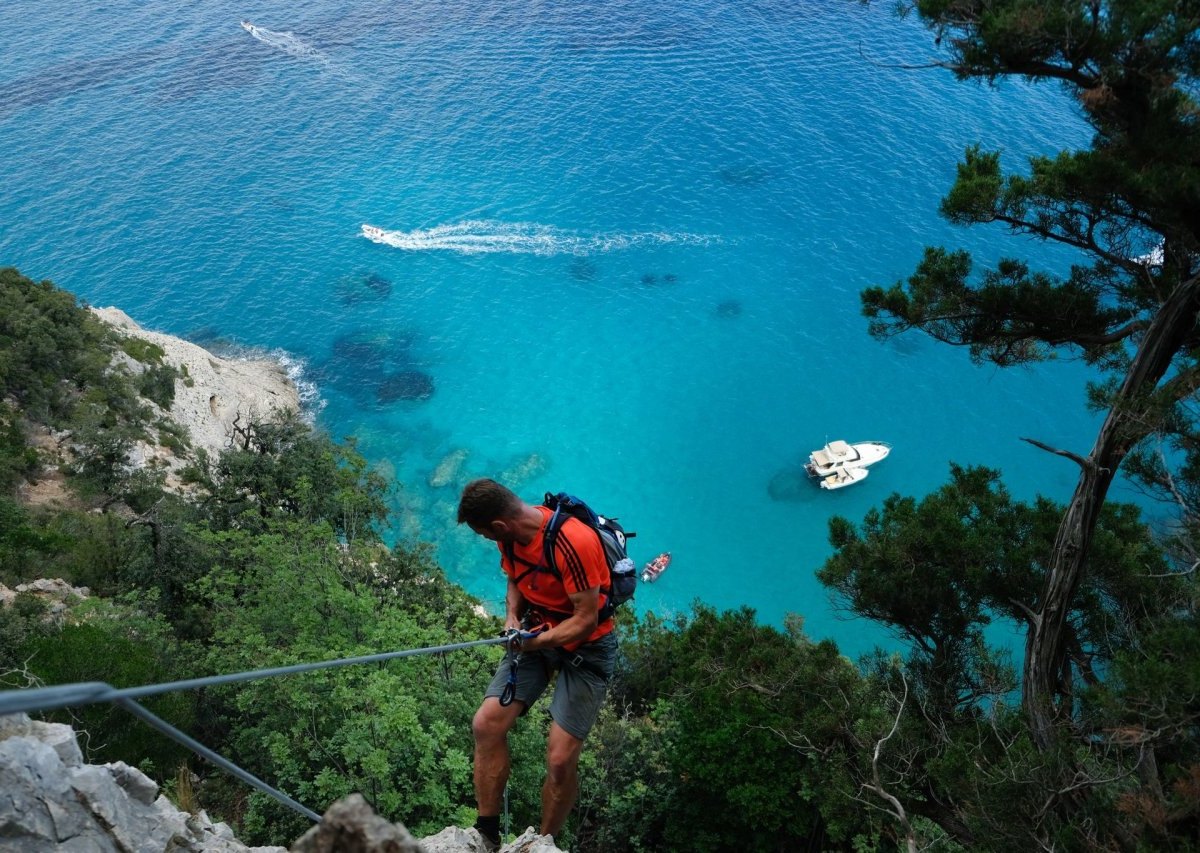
583	677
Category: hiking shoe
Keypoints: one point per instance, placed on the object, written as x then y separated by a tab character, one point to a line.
486	844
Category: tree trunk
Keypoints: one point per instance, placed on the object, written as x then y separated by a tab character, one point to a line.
1045	645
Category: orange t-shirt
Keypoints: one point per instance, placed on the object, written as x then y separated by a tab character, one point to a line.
579	558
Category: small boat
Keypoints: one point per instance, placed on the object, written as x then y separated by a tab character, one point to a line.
656	567
249	27
844	477
837	456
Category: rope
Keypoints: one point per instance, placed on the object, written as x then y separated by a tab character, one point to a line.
92	692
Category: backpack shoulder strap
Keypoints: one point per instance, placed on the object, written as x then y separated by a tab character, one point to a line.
550	539
516	562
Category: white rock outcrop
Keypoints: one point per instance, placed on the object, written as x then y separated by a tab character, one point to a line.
57	595
217	390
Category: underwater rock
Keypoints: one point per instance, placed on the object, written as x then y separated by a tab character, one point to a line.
790	485
448	470
729	308
385	468
204	335
649	279
367	348
378	285
360	287
405	385
522	470
744	176
582	269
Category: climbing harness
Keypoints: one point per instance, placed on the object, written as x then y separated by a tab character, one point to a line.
512	655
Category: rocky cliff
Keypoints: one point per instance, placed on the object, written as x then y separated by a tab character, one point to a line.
51	801
214	392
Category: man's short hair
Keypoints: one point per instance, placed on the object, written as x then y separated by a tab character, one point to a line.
483	501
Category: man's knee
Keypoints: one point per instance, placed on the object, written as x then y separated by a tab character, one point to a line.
562	757
493	721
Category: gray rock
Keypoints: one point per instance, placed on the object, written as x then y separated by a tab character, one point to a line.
51	804
351	826
60	737
37	807
134	782
453	839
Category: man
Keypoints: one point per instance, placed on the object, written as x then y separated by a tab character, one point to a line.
581	648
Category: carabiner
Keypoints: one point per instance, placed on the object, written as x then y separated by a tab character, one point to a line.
512	653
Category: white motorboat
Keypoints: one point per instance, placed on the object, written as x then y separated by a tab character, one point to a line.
844	477
838	456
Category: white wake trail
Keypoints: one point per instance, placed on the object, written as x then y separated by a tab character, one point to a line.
530	238
288	42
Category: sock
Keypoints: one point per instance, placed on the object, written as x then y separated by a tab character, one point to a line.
489	826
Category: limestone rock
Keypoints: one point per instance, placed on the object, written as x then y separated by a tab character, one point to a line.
522	470
452	839
449	469
56	593
217	390
351	826
50	801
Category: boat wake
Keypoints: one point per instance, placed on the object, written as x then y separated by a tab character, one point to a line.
288	42
528	238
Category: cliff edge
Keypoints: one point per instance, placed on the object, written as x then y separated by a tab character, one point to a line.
51	801
216	391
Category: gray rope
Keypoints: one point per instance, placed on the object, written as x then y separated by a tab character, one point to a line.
92	692
89	692
224	763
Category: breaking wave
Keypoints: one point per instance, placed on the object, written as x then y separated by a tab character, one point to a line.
529	238
296	369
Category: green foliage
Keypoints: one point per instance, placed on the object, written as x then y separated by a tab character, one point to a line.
1084	767
398	733
157	383
286	469
140	349
49	346
17	459
22	545
726	757
120	646
938	571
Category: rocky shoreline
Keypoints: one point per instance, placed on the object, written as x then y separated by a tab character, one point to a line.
216	391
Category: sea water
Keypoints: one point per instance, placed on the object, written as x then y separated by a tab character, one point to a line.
613	248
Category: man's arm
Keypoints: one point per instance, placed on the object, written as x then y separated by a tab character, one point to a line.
514	606
575	628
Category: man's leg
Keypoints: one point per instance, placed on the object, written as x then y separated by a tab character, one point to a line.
562	778
491	726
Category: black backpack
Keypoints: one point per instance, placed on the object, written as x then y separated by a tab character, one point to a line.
622	571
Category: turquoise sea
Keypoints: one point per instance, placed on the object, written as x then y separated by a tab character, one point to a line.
621	244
